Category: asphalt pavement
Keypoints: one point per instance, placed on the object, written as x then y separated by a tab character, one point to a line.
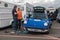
53	35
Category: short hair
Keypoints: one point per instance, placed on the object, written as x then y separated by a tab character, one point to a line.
15	6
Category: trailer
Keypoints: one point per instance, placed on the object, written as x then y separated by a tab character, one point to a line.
6	18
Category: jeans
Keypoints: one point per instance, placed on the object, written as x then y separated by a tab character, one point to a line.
15	23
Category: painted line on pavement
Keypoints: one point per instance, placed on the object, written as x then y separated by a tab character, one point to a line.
52	37
45	37
56	28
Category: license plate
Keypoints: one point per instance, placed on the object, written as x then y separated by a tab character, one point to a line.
31	29
36	30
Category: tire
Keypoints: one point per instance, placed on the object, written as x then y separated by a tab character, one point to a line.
50	26
11	24
25	29
48	31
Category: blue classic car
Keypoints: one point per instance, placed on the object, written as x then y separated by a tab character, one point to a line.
38	21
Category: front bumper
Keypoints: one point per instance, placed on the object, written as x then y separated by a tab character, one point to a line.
37	30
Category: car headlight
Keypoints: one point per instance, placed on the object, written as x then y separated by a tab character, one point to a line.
45	24
25	22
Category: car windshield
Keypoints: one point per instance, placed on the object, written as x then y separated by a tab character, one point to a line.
38	15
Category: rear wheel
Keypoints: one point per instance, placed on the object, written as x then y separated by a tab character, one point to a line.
11	23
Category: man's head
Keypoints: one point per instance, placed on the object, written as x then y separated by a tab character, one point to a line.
15	6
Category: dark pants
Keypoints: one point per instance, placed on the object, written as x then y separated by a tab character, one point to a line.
19	24
15	23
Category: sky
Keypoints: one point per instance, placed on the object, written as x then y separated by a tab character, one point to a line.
45	3
54	3
38	1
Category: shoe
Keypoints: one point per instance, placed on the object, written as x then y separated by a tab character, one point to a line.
18	32
12	32
24	32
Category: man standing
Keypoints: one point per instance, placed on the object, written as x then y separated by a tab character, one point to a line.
14	24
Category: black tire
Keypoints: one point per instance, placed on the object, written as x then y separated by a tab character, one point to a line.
11	23
50	26
47	32
25	29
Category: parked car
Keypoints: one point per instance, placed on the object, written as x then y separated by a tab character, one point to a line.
58	17
38	21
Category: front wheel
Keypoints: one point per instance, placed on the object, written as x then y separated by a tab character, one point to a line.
25	29
48	31
50	26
